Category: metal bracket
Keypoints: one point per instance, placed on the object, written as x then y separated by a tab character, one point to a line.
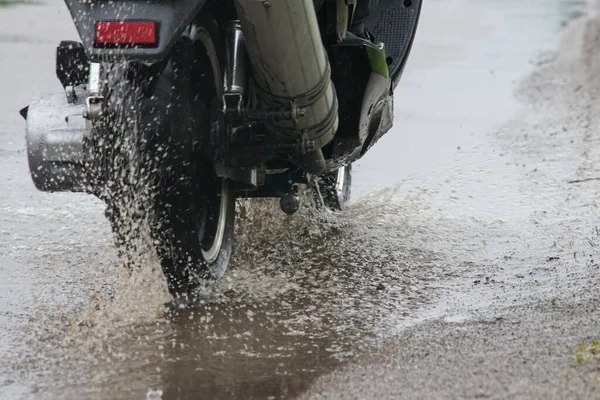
233	104
234	111
253	177
94	100
71	95
284	114
93	109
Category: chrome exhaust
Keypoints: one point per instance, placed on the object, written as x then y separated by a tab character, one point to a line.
291	69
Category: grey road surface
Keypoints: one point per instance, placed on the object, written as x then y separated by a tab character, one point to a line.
466	267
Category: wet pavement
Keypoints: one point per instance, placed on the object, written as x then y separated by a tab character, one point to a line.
464	267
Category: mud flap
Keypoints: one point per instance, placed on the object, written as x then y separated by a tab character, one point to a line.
394	23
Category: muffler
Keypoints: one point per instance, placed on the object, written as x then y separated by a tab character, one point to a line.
291	69
55	135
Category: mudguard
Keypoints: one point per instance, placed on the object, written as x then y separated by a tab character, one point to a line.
172	17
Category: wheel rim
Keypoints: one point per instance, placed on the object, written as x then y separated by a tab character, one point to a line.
212	234
340	182
211	254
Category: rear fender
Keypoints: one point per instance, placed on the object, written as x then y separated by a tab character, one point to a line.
171	18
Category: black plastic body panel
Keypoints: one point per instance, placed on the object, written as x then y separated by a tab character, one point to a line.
173	17
394	22
363	94
349	64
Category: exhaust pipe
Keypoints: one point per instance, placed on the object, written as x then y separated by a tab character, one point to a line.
291	69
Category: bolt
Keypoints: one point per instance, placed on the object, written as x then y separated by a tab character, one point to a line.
266	4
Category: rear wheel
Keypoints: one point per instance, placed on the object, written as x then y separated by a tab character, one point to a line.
189	209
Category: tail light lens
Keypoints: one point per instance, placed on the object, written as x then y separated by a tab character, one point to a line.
126	33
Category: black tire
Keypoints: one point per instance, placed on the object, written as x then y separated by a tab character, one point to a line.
332	189
167	115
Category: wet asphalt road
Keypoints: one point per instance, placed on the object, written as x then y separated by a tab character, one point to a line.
465	268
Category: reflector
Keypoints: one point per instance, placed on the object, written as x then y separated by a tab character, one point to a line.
125	32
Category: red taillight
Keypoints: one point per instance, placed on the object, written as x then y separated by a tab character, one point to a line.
125	33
